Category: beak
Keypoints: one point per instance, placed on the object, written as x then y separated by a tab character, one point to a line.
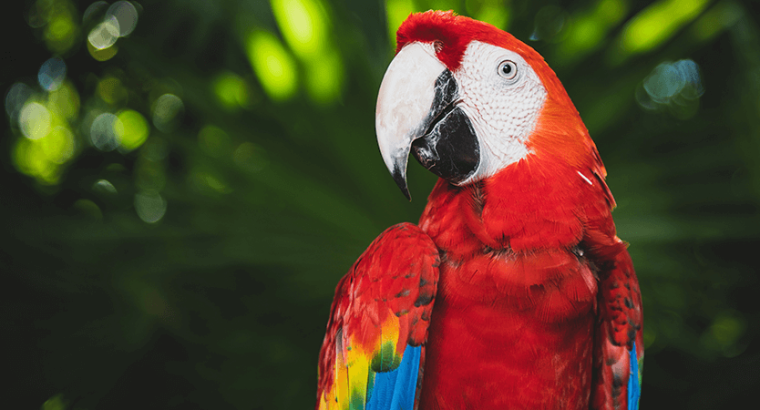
417	111
403	104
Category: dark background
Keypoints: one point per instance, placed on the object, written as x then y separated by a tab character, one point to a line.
195	269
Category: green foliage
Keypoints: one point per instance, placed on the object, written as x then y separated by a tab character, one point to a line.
180	201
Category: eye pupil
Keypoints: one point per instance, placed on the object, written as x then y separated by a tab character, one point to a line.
506	69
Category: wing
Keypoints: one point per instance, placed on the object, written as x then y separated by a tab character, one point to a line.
618	344
373	352
618	348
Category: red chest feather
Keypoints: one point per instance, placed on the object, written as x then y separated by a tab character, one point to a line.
556	286
511	332
511	328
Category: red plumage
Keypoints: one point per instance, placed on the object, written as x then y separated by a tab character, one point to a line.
396	277
537	303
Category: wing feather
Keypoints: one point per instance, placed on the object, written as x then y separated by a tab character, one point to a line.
618	346
374	346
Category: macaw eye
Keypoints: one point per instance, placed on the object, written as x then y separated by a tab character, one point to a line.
508	69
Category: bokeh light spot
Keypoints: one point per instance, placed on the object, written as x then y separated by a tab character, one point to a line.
131	129
104	186
60	31
664	82
59	28
105	34
689	72
588	29
111	90
51	74
64	101
216	184
303	23
214	141
675	87
725	334
586	34
17	96
37	16
58	146
207	181
29	158
150	206
655	24
231	90
167	110
397	11
54	403
727	328
273	65
103	132
102	55
126	14
35	120
88	208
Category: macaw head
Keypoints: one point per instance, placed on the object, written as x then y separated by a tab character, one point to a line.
468	100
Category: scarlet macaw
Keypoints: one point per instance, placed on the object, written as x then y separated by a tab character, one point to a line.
514	291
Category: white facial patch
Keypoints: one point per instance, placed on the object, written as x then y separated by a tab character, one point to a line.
503	111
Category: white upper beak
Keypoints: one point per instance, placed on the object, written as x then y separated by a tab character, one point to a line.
403	104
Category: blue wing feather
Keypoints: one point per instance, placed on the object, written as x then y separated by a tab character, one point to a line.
634	389
395	390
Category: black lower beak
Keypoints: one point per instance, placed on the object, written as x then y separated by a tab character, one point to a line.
449	147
